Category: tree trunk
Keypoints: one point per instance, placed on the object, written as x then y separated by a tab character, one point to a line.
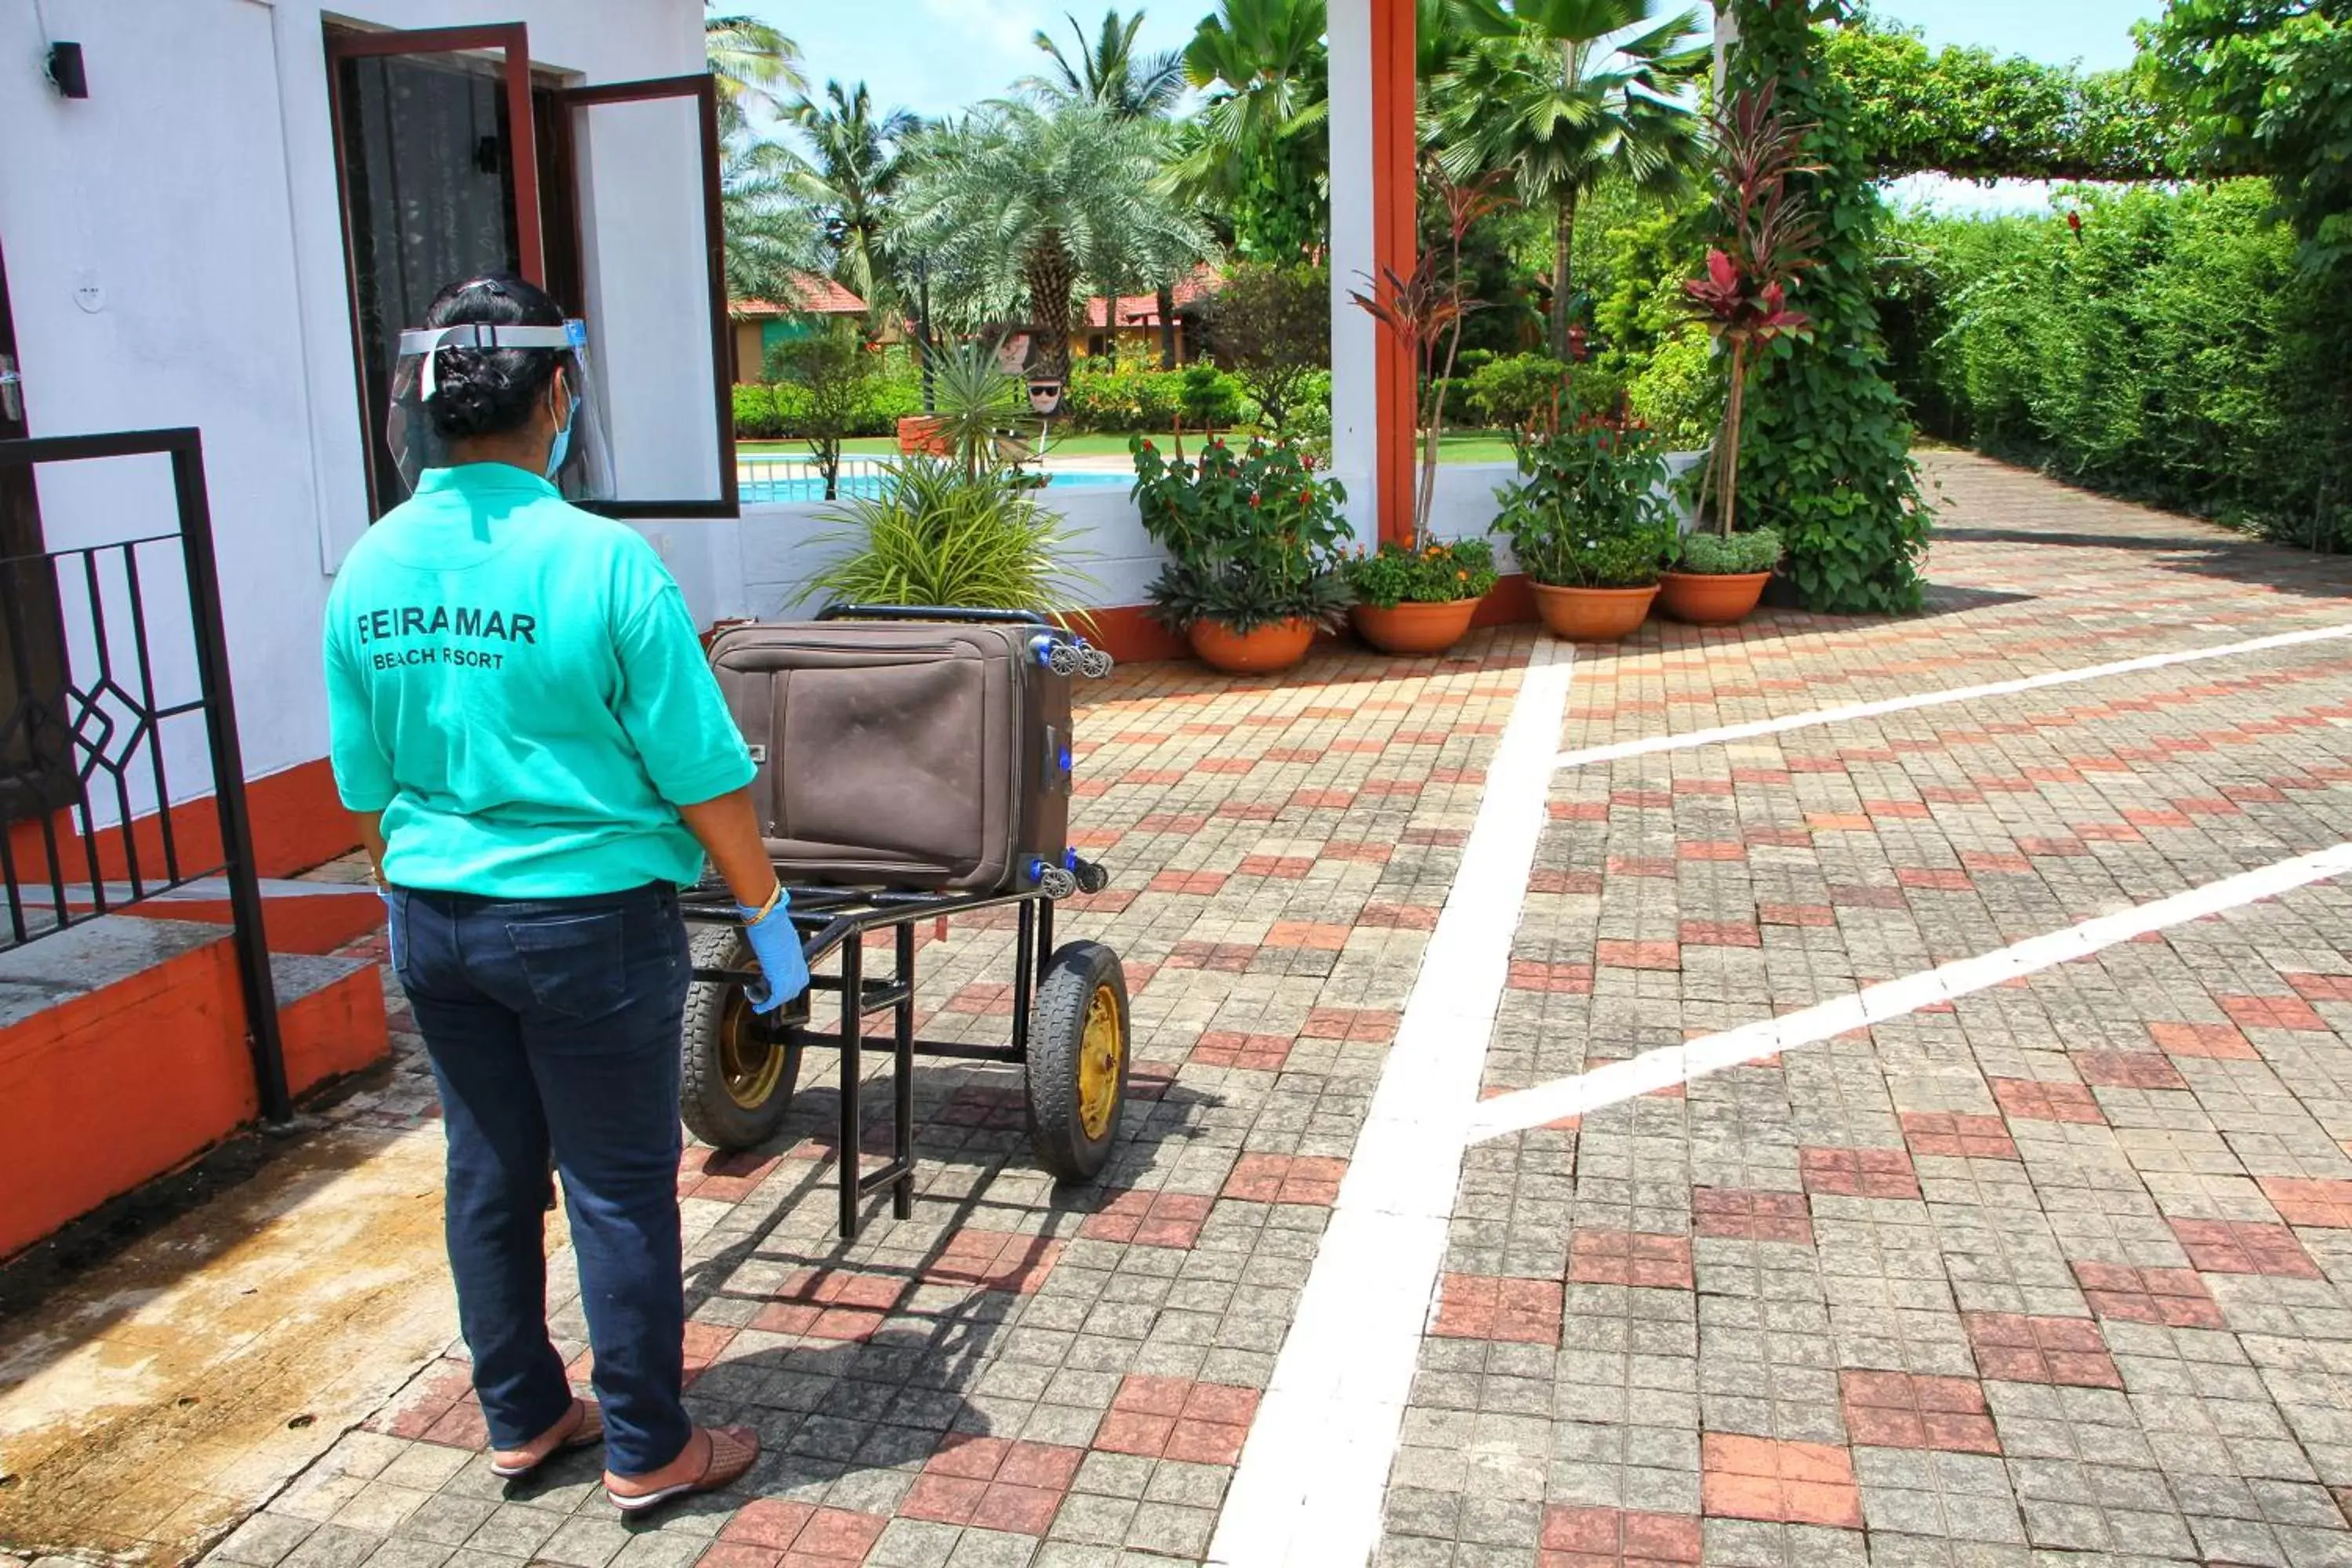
1048	272
1728	507
1110	323
1167	327
1562	256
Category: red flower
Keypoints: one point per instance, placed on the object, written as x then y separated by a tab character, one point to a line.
1253	498
2074	222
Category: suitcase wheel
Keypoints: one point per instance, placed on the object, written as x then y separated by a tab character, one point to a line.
1078	1052
737	1073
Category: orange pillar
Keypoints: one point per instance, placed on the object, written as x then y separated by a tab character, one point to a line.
1395	200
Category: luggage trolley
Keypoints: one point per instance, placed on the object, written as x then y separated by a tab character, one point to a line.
1070	1032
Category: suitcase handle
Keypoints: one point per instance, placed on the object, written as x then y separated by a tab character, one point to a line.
929	613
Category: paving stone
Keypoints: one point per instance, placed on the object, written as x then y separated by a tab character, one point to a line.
2054	1272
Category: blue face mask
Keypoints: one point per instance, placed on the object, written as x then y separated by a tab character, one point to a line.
555	453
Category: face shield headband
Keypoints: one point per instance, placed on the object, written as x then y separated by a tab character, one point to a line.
582	468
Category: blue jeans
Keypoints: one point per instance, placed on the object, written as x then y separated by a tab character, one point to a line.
553	1026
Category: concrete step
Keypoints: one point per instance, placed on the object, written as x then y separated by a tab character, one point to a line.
298	916
122	1054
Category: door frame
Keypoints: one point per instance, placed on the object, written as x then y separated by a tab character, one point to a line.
34	650
562	157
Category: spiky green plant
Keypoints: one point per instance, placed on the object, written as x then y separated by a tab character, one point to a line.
975	400
937	535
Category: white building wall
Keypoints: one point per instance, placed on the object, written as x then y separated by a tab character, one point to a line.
192	201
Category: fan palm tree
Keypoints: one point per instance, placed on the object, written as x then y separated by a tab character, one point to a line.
1108	71
753	64
1563	94
1265	60
1018	202
849	182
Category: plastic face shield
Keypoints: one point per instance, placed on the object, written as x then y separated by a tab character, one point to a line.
585	472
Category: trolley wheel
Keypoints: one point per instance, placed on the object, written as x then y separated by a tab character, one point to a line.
1078	1060
738	1076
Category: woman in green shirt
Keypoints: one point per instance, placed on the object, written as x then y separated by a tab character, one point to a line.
524	724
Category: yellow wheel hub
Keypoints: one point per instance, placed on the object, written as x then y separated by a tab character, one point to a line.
749	1064
1100	1053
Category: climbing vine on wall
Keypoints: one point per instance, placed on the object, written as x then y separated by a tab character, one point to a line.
1827	455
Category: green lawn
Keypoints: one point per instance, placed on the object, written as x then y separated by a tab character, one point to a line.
1456	446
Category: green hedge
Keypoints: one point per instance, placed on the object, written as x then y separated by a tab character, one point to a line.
1122	400
763	411
2170	351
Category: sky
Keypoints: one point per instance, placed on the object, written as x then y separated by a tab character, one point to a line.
935	56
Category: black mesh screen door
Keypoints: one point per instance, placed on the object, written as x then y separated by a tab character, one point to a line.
36	748
436	148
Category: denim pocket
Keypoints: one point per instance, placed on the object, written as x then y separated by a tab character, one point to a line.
395	934
576	964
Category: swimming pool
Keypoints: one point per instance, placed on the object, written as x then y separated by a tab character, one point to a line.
769	482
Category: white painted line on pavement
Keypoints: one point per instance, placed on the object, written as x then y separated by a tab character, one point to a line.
1312	1475
1671	1064
1617	750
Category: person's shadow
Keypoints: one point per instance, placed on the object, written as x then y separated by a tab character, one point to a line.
869	1411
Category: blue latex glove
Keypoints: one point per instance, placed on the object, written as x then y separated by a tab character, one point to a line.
777	946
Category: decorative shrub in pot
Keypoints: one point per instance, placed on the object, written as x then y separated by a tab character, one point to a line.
1716	579
1254	539
1418	602
1590	525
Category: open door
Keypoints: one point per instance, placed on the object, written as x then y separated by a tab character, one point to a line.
436	154
36	746
633	165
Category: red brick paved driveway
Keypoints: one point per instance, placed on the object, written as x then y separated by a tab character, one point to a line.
2054	1272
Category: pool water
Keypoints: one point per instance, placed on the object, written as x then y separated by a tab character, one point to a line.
768	488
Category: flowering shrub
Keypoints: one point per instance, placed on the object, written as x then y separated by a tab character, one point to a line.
1254	533
1590	509
1438	574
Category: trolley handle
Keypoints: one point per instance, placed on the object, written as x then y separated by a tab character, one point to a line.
930	613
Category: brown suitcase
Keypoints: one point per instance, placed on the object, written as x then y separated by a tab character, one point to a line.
910	748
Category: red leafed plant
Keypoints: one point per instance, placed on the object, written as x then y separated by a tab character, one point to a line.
1425	311
1765	240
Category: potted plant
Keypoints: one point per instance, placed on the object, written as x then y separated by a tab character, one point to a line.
1409	602
1590	525
1717	578
1424	313
1253	538
1766	236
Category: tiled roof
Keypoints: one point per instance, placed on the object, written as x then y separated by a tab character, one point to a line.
1143	310
818	296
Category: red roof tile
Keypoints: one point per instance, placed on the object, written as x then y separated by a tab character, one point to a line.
1143	310
818	296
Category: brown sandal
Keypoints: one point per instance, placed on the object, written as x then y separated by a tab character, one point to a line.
587	1430
732	1451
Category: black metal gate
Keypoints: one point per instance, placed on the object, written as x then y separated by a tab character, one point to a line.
82	744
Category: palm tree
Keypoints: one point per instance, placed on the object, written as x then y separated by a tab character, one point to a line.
753	63
1017	201
1109	71
1552	93
1112	75
849	183
1256	152
769	236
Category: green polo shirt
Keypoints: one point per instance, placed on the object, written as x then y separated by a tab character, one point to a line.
516	685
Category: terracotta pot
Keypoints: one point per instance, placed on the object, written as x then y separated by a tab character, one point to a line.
1414	628
1711	598
1259	652
1592	614
921	433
